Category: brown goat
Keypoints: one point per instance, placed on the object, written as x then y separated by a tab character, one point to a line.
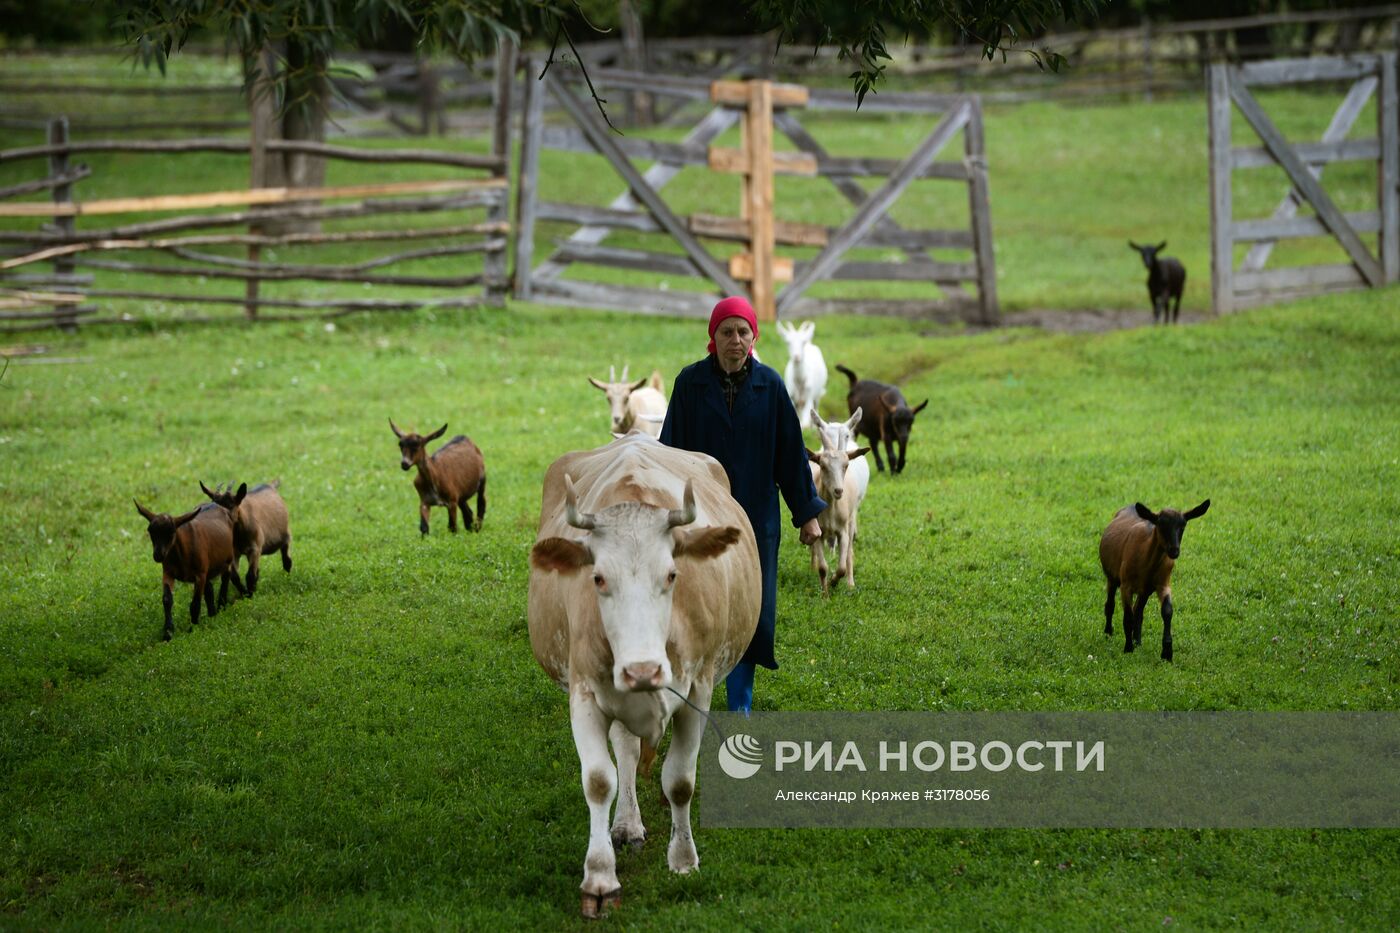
259	519
1138	550
887	418
448	477
191	548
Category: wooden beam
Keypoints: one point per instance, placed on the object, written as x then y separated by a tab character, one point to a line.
1389	175
980	208
180	202
527	200
76	173
1292	228
736	228
878	203
759	194
741	267
648	301
1299	277
1335	150
1222	260
601	138
1304	181
1336	131
1299	70
736	94
641	260
735	161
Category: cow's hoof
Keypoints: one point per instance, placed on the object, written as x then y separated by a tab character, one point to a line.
626	837
593	906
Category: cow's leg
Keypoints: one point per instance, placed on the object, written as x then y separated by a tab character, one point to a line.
1164	595
1108	607
819	563
601	891
678	778
627	828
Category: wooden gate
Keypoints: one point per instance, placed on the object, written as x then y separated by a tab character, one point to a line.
760	108
1252	283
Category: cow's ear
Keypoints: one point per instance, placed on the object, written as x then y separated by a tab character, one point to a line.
560	555
704	542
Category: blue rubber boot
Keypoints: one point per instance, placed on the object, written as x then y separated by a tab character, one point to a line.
738	688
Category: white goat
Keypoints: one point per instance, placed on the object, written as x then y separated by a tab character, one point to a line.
629	403
842	476
805	373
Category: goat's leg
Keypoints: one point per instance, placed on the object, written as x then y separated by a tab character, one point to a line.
1108	608
1127	619
903	449
233	576
875	450
1176	311
223	588
167	599
254	570
819	562
1165	597
848	558
209	596
286	558
452	517
480	503
466	506
199	582
423	518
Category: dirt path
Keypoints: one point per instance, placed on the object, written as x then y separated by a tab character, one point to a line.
1089	320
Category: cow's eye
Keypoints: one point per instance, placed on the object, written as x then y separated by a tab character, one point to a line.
598	581
670	578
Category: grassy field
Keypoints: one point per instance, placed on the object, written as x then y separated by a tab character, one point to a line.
368	743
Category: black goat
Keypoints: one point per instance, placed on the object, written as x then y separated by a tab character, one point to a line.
885	417
1166	277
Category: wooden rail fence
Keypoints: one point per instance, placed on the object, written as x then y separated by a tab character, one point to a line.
1250	284
760	107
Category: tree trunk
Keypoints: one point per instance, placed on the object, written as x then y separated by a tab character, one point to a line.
300	115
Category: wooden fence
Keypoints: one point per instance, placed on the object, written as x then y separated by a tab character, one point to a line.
761	108
1252	283
288	219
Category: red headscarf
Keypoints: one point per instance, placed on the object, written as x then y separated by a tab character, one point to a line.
737	306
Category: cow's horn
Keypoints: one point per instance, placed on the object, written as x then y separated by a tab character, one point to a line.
571	513
686	513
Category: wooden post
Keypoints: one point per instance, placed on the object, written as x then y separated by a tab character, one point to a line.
531	125
979	204
759	197
66	224
429	85
1147	59
640	104
1389	175
497	264
1222	280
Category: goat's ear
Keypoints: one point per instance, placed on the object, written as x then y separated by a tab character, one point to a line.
205	489
1161	246
242	491
638	384
808	329
560	555
1132	245
888	399
813	457
182	519
858	452
395	428
704	542
854	420
436	434
596	384
1198	511
146	513
921	406
1145	513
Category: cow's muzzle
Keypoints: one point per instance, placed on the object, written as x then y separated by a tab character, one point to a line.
644	676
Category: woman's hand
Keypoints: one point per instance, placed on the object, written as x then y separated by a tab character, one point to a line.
810	532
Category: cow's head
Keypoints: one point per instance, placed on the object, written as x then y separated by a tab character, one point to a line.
632	551
618	391
835	456
1170	525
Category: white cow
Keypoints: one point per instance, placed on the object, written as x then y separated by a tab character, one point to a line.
644	589
842	477
805	373
630	404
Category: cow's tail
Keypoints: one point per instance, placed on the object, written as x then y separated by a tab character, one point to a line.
849	375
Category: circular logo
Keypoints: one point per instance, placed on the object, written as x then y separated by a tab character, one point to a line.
740	756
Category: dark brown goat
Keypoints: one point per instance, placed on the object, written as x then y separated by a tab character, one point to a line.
1138	550
1166	278
449	477
259	519
191	548
887	417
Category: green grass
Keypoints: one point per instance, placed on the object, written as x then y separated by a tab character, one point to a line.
369	744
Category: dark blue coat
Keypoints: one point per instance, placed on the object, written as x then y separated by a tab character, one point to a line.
760	446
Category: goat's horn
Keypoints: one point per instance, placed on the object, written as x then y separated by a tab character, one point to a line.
624	372
686	513
612	373
571	513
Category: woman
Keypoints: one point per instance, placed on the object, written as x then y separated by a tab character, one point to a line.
737	410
